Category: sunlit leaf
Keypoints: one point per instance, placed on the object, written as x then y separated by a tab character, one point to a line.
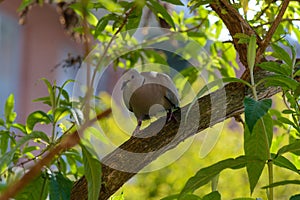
24	4
257	145
36	117
9	113
60	113
50	91
111	6
254	110
159	9
118	197
20	127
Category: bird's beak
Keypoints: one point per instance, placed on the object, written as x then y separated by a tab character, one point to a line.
124	84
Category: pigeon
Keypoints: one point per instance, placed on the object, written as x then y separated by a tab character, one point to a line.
148	93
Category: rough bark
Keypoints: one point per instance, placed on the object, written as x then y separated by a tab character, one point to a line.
120	165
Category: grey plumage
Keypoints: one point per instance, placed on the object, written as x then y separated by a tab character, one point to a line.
148	93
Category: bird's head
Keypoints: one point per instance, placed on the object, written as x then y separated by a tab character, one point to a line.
132	79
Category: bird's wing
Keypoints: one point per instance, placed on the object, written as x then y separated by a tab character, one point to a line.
171	93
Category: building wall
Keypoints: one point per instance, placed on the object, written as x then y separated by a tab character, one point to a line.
39	46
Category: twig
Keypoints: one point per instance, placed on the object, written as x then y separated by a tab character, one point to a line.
264	10
69	141
271	22
265	43
110	42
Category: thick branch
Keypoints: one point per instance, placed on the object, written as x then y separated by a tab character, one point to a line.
136	153
235	23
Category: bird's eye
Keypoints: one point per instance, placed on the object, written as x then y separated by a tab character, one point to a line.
132	77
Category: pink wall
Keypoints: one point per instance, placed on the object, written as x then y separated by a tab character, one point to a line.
44	45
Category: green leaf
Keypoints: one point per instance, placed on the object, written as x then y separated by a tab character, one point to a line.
93	171
36	117
118	197
295	197
102	23
175	2
9	113
7	158
157	9
215	195
35	190
251	53
275	67
282	81
288	112
1	122
287	121
4	138
281	54
281	161
50	91
63	92
282	183
155	57
254	110
111	6
185	197
60	187
45	100
24	4
20	127
244	4
257	145
293	147
134	19
244	198
60	113
204	175
243	38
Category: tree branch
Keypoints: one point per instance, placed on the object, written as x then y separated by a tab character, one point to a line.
67	142
235	23
265	43
136	153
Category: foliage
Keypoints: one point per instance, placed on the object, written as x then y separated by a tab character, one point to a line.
23	144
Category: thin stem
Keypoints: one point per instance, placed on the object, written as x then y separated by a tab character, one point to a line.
253	85
270	170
